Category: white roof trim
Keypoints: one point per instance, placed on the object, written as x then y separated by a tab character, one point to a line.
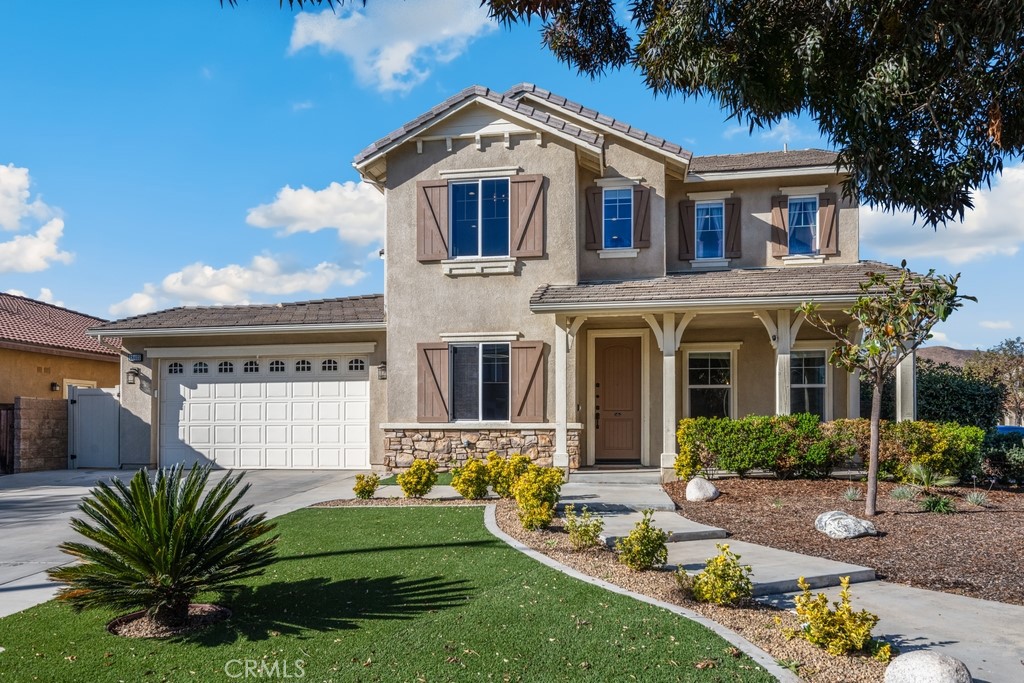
732	303
265	351
456	337
239	329
755	174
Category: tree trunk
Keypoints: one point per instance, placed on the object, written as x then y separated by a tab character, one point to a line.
172	614
871	499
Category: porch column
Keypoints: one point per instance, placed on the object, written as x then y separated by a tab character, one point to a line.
561	354
855	334
783	346
668	390
906	389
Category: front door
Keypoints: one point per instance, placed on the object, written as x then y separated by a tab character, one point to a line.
617	399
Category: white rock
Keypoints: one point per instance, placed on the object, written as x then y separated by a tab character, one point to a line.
925	666
841	525
700	490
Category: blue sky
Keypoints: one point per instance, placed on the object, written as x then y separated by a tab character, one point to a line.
155	154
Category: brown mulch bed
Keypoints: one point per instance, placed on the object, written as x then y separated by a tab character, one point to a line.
138	625
975	552
755	622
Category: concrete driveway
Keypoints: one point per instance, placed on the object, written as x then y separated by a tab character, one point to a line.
35	509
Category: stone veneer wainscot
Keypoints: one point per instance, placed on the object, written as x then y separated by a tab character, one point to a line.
452	447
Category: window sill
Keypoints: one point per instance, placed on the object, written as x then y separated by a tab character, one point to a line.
484	266
710	264
803	260
618	253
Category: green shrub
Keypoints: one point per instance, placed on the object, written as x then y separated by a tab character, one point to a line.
947	448
724	581
903	493
159	542
584	529
644	548
942	505
536	492
1002	457
925	478
417	481
946	393
471	479
837	629
695	436
978	499
503	472
366	485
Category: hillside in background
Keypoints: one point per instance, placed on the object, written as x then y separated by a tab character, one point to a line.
946	354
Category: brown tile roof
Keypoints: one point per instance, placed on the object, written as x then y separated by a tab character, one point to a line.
348	310
711	287
500	99
756	161
622	127
34	323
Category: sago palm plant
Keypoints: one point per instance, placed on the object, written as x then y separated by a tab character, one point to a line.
159	541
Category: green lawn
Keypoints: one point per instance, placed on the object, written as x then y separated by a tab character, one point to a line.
389	594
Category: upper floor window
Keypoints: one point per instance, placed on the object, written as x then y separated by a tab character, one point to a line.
710	230
480	381
479	217
803	225
618	218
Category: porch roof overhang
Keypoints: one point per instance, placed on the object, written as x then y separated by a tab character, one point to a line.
831	285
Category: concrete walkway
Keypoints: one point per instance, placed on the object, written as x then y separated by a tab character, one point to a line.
987	636
35	509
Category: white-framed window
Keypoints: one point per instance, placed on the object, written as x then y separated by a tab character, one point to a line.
356	365
617	218
250	366
303	366
329	365
175	369
277	366
803	225
480	384
479	212
200	368
709	383
710	230
808	382
225	367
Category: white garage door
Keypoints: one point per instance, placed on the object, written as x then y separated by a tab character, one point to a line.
276	413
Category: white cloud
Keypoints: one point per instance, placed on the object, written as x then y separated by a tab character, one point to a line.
31	253
393	45
355	210
14	199
996	324
263	278
785	131
45	295
992	228
302	106
206	73
941	337
738	129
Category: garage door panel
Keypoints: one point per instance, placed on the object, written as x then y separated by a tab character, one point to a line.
303	390
250	435
302	411
250	457
330	389
199	411
328	434
225	457
277	457
225	391
329	457
357	435
302	434
276	389
277	434
328	410
356	457
277	412
251	412
357	389
199	435
251	390
225	434
302	457
356	411
224	411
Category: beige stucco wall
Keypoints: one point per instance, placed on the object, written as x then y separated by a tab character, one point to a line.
423	303
139	401
756	196
29	374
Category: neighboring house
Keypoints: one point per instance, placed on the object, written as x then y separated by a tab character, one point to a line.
45	349
557	283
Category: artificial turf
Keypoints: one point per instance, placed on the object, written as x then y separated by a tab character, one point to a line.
389	594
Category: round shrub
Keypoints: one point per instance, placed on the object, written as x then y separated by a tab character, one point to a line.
471	479
419	479
503	472
644	548
724	581
536	492
366	485
584	529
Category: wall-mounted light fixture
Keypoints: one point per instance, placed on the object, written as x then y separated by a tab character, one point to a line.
382	370
54	386
132	375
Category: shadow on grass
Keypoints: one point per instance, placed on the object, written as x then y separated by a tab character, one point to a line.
320	604
388	548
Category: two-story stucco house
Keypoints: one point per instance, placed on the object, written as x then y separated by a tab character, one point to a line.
557	283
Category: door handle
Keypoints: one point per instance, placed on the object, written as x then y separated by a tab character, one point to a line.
618	414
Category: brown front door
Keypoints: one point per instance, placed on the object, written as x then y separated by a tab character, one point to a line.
617	399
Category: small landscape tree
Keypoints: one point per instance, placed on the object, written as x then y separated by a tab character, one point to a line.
1005	361
897	315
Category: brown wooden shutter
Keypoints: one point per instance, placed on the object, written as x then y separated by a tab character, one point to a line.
687	229
526	216
733	228
431	220
780	225
527	381
641	216
828	223
432	382
594	217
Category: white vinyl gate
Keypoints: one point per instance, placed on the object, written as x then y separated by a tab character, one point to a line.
273	413
93	421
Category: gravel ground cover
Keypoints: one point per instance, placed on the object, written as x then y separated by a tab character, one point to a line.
977	551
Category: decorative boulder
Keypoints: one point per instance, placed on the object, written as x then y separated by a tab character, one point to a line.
700	490
925	666
840	525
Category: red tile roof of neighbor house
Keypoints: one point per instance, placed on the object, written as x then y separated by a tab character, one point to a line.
27	322
353	310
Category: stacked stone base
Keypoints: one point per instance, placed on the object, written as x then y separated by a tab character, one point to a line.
40	434
452	447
